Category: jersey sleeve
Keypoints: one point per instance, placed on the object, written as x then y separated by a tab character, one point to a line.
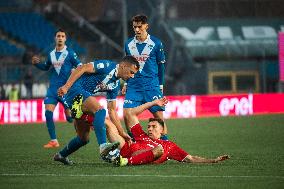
126	49
137	131
112	94
75	59
161	58
176	153
101	67
44	66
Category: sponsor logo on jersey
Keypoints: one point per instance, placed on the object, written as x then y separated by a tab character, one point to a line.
100	66
128	102
142	57
58	64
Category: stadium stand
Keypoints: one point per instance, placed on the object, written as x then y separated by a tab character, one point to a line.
8	49
32	29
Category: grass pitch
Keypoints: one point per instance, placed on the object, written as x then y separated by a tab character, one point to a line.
255	144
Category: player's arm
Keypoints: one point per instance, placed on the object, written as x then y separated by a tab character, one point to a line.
161	75
42	66
80	70
124	88
161	65
133	118
111	106
75	60
197	159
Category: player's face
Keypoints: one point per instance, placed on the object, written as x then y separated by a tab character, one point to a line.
60	38
155	130
140	29
126	71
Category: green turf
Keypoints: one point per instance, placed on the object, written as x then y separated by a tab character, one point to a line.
255	144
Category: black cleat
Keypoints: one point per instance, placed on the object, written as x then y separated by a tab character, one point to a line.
64	160
107	148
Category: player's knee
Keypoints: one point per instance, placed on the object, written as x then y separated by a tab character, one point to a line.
158	151
127	113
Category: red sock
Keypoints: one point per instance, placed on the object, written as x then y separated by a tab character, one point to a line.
143	158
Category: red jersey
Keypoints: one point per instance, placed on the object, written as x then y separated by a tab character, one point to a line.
144	143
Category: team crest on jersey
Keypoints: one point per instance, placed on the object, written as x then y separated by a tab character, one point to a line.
150	46
100	66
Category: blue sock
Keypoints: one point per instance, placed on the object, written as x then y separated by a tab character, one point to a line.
50	124
72	146
99	125
69	119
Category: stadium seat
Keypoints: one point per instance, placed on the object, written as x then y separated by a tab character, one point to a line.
7	49
34	30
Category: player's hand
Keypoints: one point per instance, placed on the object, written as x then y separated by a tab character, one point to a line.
35	60
123	90
127	138
161	102
62	90
222	158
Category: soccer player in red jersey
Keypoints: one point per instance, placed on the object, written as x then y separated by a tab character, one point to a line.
148	147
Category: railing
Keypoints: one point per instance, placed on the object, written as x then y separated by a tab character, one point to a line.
62	7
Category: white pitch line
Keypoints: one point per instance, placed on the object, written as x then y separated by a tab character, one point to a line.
160	176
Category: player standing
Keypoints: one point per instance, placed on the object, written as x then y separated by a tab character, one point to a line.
100	76
147	85
61	60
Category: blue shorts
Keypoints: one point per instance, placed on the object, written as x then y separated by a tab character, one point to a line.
51	97
73	92
134	98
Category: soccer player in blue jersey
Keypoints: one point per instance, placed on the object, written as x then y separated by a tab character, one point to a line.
84	82
147	85
60	62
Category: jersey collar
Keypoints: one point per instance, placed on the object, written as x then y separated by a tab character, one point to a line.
62	50
146	40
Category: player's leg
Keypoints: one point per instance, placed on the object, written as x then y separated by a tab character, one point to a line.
53	143
156	111
85	103
68	115
82	138
142	157
132	99
159	115
113	134
50	102
66	110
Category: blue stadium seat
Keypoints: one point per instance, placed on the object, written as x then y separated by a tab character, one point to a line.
33	29
7	49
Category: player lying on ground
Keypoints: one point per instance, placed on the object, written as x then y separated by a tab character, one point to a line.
149	148
100	76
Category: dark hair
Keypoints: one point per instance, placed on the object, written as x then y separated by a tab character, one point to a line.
59	30
140	18
132	60
161	122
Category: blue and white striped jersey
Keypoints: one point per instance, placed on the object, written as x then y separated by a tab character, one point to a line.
149	54
103	80
62	62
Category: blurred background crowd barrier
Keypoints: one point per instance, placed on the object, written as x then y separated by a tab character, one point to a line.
212	46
